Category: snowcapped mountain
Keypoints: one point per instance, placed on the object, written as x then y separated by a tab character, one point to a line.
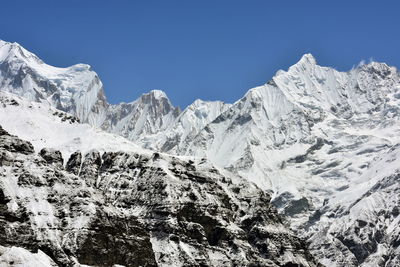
76	89
314	137
295	115
186	126
151	113
79	91
324	143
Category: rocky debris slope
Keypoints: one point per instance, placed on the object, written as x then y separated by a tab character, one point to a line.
134	210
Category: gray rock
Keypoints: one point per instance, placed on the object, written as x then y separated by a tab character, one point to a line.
52	156
74	163
11	144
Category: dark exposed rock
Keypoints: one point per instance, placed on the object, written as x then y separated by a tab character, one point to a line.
112	239
11	144
27	179
297	206
90	167
65	117
52	156
3	132
74	163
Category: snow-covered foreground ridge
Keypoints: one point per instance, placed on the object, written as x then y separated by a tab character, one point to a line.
323	142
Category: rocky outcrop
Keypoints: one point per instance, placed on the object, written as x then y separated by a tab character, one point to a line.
51	156
137	210
74	163
11	144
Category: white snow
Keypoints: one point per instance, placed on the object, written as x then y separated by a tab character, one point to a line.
20	257
36	122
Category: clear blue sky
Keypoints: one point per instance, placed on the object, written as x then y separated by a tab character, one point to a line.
213	50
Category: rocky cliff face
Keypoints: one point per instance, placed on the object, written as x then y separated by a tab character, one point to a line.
134	210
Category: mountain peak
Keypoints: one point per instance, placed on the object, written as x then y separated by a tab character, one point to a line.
8	50
307	59
157	94
306	62
198	102
156	98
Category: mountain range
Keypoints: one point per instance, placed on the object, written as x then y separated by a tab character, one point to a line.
318	144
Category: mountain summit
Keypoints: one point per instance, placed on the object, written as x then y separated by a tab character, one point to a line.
76	89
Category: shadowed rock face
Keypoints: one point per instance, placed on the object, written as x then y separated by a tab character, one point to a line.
115	239
51	156
138	210
12	144
74	163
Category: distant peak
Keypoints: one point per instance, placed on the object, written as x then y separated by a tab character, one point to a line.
16	50
305	62
198	102
154	95
2	42
158	94
10	45
307	59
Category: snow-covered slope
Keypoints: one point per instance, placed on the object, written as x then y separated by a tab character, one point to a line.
186	126
44	126
360	226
